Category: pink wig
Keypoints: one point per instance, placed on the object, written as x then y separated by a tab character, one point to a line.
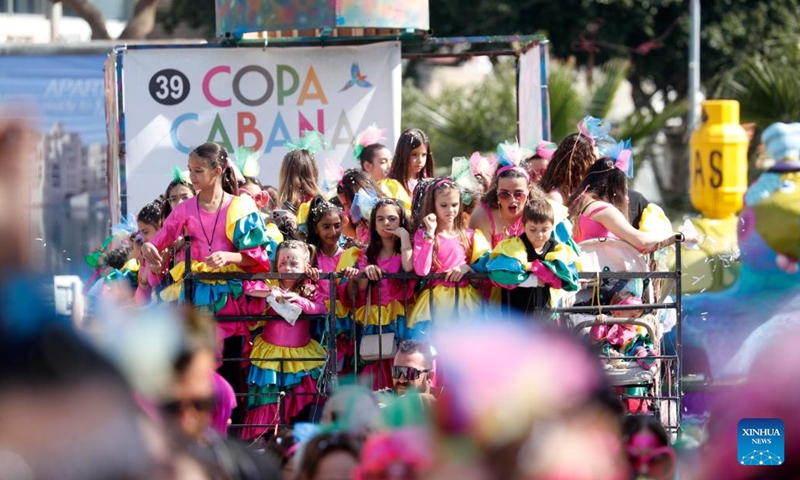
224	403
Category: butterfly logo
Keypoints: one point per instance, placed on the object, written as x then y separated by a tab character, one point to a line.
356	78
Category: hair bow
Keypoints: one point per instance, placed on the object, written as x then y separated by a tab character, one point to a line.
261	198
180	176
546	149
128	226
363	204
246	160
622	154
371	135
462	176
313	142
595	130
510	156
481	165
330	174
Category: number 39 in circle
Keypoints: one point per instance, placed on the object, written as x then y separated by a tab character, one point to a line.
169	87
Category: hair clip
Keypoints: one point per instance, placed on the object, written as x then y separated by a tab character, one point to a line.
622	154
246	160
363	204
180	176
312	142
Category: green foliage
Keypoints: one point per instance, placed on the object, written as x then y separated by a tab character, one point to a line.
464	119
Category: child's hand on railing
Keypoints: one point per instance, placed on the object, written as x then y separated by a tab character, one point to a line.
218	259
349	272
456	274
373	272
313	273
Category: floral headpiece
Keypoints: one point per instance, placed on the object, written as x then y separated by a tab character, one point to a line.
128	226
246	160
370	136
180	176
481	165
510	156
363	204
622	154
312	142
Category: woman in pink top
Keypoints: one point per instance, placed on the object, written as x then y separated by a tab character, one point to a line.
599	208
442	244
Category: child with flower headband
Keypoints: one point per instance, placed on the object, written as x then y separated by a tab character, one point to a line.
389	251
281	339
443	244
573	157
413	161
373	156
351	183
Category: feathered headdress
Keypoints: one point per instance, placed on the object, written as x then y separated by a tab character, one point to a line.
622	154
246	160
371	135
180	176
481	165
546	149
363	204
312	142
462	176
330	174
510	156
595	130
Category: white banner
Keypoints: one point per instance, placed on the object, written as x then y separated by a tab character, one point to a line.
177	98
532	97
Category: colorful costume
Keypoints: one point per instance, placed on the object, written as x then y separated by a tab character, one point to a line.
339	261
395	189
241	230
387	309
439	294
513	260
279	343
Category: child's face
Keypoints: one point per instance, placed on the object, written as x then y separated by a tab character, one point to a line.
387	220
417	160
148	231
329	229
179	194
381	163
448	203
292	260
538	233
201	175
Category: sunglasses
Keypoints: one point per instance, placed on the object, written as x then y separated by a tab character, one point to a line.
410	373
660	461
202	405
519	195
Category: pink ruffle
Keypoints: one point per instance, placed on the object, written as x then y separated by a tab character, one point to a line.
293	404
545	274
255	288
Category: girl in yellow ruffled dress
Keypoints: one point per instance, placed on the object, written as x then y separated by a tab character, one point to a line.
413	161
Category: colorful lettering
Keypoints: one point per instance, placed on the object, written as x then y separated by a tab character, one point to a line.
173	132
306	94
284	92
219	129
207	86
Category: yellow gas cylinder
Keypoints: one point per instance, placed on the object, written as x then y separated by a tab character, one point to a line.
719	160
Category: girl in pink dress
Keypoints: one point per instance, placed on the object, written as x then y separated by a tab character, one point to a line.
442	244
389	251
227	235
324	225
149	222
273	368
351	183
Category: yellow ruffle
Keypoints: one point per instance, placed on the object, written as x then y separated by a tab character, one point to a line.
654	220
394	189
341	310
239	208
302	213
480	246
263	349
172	293
349	258
274	233
388	313
131	265
512	248
563	253
201	267
444	301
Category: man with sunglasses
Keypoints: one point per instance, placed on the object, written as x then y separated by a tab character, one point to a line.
413	369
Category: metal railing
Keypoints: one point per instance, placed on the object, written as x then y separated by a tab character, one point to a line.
411	280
